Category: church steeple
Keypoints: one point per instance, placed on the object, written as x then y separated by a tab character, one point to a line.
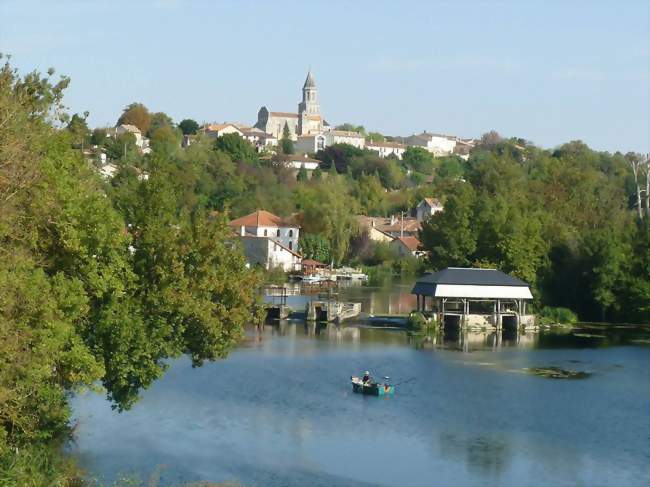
309	82
309	104
309	120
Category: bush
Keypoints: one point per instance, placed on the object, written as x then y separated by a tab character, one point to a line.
550	316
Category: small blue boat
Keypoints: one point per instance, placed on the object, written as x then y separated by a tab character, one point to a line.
371	389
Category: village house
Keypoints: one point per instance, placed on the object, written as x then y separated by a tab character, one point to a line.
385	149
216	130
426	208
296	162
258	138
268	240
407	246
437	144
383	229
314	142
141	142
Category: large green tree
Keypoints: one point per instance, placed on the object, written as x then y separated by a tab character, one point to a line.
95	286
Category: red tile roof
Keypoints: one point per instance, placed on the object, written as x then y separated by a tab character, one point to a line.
411	243
261	218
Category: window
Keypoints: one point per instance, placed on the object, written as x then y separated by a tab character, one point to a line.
290	233
290	245
278	233
265	233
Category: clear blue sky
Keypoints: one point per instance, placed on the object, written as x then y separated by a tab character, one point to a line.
548	71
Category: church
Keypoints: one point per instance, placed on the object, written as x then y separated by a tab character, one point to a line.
307	121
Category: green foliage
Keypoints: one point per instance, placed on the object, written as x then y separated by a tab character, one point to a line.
316	247
451	167
550	316
302	175
237	148
188	126
329	210
559	220
165	139
350	127
157	121
98	136
120	146
449	235
95	285
376	137
286	144
418	159
79	131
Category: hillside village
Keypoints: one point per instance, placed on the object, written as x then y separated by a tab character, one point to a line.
296	141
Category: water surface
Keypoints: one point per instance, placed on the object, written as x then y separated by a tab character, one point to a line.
280	412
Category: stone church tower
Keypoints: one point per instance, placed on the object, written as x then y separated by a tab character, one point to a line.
309	119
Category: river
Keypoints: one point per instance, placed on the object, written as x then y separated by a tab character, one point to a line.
279	411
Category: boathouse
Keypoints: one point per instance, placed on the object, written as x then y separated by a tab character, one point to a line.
474	298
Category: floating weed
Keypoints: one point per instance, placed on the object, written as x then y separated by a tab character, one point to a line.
556	373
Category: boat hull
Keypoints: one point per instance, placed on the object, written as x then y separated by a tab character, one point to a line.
373	389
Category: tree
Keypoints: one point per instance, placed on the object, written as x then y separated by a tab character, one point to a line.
120	146
451	167
98	136
418	159
79	130
90	293
449	235
315	247
286	144
302	176
159	120
188	126
136	114
165	139
490	139
238	148
376	137
350	127
640	166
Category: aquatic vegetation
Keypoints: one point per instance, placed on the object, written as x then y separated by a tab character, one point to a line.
557	373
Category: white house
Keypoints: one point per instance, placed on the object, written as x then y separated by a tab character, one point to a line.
345	137
268	253
437	144
407	246
385	149
427	207
264	224
312	143
258	138
296	161
269	240
218	129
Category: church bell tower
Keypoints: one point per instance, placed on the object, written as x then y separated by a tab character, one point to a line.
308	108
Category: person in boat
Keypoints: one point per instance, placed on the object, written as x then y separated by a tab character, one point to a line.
366	378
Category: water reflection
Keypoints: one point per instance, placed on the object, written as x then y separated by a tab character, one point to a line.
448	339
